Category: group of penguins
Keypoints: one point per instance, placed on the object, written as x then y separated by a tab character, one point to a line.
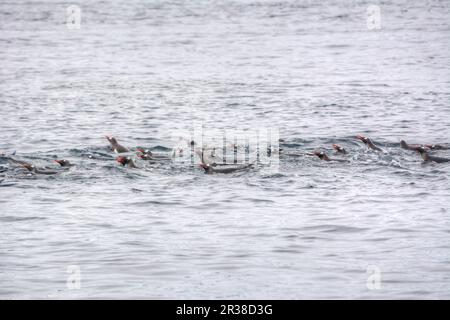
210	164
423	149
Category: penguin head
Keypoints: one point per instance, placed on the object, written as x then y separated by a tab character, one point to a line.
362	138
338	148
63	163
421	150
205	167
143	153
112	140
320	154
123	160
28	166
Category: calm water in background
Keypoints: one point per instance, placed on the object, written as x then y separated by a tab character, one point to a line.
142	70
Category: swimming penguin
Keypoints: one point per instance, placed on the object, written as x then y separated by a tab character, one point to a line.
32	168
36	170
144	154
148	155
437	147
368	142
412	147
323	156
64	163
214	168
428	158
115	146
126	161
339	149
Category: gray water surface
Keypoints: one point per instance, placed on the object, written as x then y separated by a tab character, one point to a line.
142	70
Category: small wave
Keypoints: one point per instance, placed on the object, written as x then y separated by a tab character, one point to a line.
336	229
18	219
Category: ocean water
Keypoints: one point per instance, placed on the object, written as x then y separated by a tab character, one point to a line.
318	71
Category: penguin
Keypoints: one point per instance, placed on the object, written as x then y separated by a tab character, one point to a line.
126	161
323	156
64	163
368	142
148	155
115	146
429	158
414	147
32	168
339	149
212	168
